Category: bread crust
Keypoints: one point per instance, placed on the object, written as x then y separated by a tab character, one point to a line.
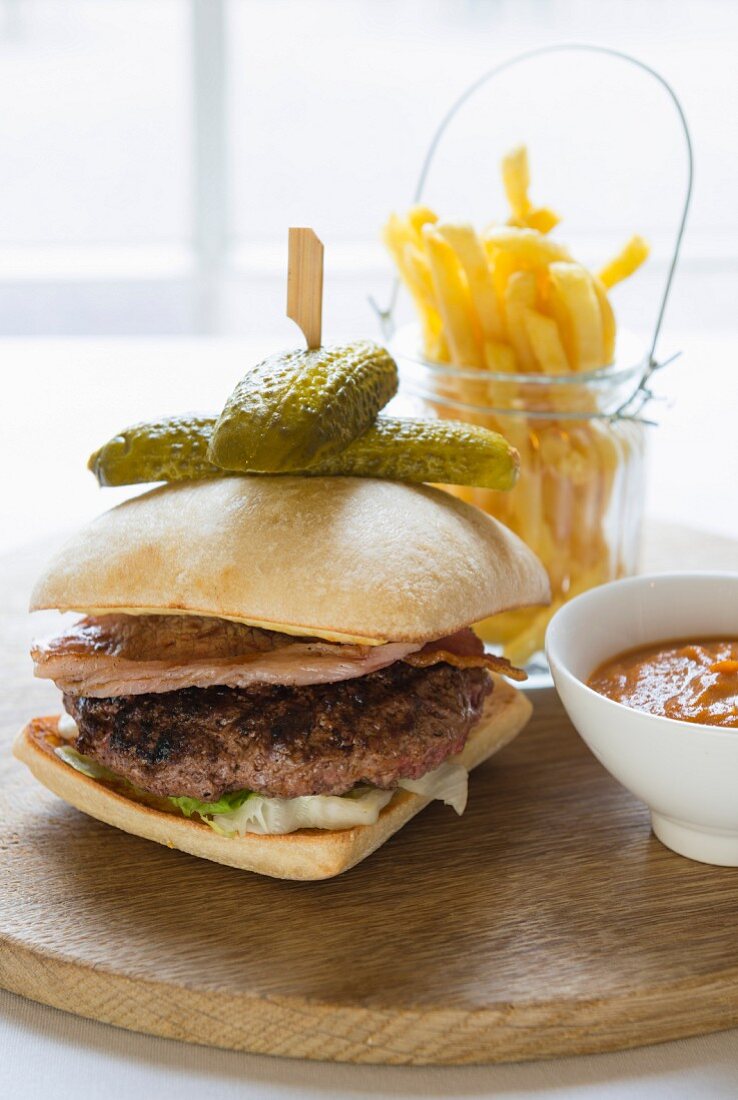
309	854
345	559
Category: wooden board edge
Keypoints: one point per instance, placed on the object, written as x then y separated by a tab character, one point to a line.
282	1027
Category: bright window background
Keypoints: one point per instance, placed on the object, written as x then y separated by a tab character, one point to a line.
95	126
154	152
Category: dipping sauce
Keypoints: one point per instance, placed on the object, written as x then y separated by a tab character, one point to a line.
693	681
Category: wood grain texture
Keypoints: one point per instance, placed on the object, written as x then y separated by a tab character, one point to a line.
547	920
305	284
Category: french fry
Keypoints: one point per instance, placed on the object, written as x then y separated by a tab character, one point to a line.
516	181
419	216
528	246
502	265
577	313
558	514
613	454
545	342
396	234
520	296
453	299
419	276
399	240
543	219
501	629
513	300
412	265
529	506
499	357
530	639
471	256
608	322
586	541
628	260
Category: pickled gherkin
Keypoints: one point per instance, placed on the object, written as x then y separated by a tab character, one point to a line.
172	449
441	451
300	407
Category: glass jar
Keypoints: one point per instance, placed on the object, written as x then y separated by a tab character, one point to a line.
579	500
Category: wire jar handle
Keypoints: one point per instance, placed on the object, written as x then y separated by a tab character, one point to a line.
386	316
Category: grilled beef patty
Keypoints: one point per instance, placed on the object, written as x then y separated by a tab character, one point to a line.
400	722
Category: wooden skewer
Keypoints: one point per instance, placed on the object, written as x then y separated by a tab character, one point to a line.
305	283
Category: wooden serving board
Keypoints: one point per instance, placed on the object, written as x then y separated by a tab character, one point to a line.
548	920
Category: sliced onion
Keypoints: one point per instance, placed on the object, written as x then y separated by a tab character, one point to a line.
449	783
274	816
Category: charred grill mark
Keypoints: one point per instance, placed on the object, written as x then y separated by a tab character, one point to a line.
163	748
322	739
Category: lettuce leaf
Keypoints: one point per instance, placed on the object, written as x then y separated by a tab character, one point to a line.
189	806
244	811
84	764
274	816
226	804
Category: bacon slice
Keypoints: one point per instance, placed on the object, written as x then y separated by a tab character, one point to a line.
134	655
463	650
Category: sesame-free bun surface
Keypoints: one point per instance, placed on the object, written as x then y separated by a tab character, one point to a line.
347	559
307	854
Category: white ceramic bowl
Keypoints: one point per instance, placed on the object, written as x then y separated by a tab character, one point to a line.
686	773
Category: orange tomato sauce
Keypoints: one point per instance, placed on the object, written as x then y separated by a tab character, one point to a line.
693	681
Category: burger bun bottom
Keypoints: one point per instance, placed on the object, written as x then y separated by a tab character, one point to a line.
308	854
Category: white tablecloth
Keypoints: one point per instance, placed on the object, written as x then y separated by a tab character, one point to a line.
50	1055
